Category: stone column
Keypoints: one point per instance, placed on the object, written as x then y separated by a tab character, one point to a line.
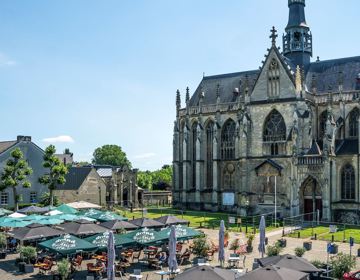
215	168
198	167
185	171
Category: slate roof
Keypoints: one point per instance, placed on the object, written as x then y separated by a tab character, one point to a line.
327	74
75	178
227	83
6	145
314	149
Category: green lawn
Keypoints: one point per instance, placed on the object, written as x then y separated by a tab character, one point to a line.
196	218
324	234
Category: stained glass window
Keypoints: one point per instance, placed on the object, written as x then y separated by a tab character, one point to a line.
209	154
228	140
348	182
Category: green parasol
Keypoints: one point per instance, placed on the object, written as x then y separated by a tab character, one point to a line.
50	221
107	216
33	217
101	240
66	209
4	212
182	233
143	236
90	212
67	245
15	223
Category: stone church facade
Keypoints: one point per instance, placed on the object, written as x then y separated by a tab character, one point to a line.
289	130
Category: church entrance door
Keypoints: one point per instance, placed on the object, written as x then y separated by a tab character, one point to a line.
310	199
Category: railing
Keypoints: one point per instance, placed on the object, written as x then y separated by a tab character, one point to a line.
310	160
212	108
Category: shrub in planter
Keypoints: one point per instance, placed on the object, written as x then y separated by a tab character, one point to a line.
281	243
319	264
249	247
334	248
307	245
299	251
235	245
3	243
342	263
27	253
64	268
273	250
201	247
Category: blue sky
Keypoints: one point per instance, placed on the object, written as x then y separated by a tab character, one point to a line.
106	72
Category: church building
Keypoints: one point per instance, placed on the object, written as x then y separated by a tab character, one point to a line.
284	137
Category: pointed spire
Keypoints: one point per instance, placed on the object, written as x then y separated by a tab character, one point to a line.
187	97
178	101
273	36
298	83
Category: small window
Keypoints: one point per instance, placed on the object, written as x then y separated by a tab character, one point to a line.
33	197
4	198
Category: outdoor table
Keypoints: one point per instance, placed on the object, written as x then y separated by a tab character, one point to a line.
137	276
100	257
162	273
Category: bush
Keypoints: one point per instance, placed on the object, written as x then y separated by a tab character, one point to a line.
318	264
28	253
250	240
201	247
273	250
342	263
3	241
299	251
64	268
235	245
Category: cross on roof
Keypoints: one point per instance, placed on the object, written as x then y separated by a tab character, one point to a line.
273	35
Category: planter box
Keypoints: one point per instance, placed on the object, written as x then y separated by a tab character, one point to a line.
307	246
2	255
282	243
21	266
29	268
334	249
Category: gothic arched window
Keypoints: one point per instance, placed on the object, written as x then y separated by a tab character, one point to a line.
274	79
274	131
354	123
182	156
193	154
322	123
209	154
348	182
228	140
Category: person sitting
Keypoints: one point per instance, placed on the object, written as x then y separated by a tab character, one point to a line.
102	267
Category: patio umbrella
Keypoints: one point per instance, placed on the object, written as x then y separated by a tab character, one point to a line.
182	233
207	273
33	217
111	257
290	262
171	220
54	212
172	262
90	212
116	225
222	243
33	209
4	212
50	221
16	215
262	228
34	231
101	240
66	209
274	273
82	227
83	205
67	245
107	216
16	223
145	222
143	236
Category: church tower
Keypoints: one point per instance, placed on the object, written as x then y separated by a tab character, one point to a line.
297	42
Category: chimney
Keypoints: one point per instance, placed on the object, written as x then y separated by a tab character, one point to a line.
21	138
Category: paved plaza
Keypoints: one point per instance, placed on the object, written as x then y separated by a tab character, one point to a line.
8	270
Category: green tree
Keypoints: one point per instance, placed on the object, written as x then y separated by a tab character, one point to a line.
145	180
162	178
110	155
45	199
15	174
56	174
342	263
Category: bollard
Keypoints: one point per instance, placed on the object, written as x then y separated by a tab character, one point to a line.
315	236
246	229
298	234
332	238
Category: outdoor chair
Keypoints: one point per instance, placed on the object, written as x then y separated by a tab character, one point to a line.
136	256
77	262
46	268
136	275
210	255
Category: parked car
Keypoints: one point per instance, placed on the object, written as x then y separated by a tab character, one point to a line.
352	275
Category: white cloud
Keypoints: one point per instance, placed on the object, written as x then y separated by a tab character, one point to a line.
59	139
6	61
146	155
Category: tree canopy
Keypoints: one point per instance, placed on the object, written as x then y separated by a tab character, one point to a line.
156	180
110	155
15	174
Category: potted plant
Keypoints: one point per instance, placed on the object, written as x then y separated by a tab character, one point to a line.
281	242
64	269
273	250
249	246
28	253
333	248
307	245
299	251
3	243
342	263
235	245
226	238
201	247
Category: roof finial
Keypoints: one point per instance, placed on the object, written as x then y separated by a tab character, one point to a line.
178	101
187	97
273	36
